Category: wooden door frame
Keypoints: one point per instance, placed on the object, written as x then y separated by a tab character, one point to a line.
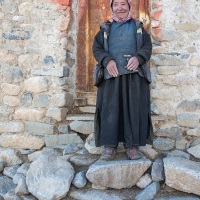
82	47
82	79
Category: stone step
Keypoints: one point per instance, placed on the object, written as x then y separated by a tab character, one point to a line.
80	101
123	173
88	109
80	117
91	100
90	96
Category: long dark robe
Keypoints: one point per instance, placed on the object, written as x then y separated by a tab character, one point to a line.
123	111
122	108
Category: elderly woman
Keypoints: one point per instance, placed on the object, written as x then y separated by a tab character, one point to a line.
123	98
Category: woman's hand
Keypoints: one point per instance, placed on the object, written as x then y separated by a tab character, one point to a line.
112	68
133	63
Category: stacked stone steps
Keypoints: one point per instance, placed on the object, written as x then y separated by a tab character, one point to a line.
84	103
81	106
88	97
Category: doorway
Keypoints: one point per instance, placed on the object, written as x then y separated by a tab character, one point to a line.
90	14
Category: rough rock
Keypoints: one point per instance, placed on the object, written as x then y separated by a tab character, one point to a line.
163	144
168	70
83	160
28	197
63	128
174	132
10	89
33	156
63	139
40	128
67	157
59	72
165	94
195	151
36	84
6	185
11	101
21	188
188	120
23	169
148	152
21	141
12	75
1	166
10	195
80	117
60	100
90	145
144	181
58	114
1	198
25	8
182	144
182	174
188	106
194	132
82	152
123	173
80	180
16	34
195	142
11	127
178	153
26	99
88	109
81	145
41	100
84	127
9	157
5	112
94	194
70	148
57	150
149	192
49	177
26	151
98	187
10	171
165	60
28	114
157	170
17	177
178	198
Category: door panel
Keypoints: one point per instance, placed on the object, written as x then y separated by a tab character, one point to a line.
90	14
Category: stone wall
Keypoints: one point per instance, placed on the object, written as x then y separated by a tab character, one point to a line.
38	66
176	75
37	61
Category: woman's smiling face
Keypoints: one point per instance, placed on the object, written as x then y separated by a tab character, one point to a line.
120	8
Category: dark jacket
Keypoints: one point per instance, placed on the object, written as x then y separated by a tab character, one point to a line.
143	52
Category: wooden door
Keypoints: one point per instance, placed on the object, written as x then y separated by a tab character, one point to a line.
90	14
